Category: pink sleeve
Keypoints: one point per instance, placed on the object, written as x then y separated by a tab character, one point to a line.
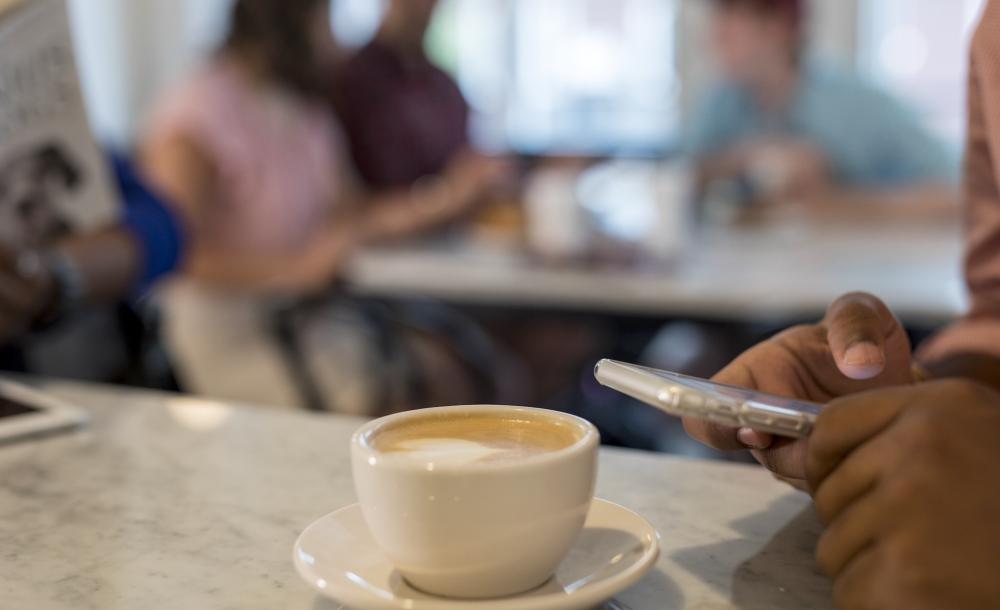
193	112
979	331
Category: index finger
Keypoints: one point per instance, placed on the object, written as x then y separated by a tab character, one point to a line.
846	424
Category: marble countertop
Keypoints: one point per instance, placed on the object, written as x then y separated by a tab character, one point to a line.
171	502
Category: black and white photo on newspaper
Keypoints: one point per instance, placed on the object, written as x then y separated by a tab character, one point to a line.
54	180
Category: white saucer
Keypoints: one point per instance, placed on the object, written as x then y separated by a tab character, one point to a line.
338	557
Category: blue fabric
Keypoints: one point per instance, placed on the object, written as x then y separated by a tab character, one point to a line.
870	139
155	228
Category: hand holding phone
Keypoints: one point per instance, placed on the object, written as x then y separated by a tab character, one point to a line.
858	346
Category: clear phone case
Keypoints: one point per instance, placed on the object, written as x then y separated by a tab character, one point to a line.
684	396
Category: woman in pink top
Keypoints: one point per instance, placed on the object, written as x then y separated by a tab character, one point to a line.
247	151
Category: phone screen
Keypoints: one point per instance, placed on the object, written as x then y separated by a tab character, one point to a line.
10	408
742	395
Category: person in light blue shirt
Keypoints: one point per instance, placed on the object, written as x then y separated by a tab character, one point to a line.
787	127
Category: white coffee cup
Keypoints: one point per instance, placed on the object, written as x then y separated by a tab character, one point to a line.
476	528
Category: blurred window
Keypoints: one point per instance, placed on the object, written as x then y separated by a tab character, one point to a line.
918	49
553	75
355	21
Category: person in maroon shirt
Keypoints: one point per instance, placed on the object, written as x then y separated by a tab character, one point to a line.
404	117
406	124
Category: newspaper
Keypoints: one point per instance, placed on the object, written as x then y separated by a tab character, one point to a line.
54	179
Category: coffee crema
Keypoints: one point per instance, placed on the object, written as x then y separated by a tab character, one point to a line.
475	437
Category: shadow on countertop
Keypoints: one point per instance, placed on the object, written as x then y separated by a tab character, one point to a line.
781	575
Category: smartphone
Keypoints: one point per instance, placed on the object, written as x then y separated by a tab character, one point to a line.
684	396
26	413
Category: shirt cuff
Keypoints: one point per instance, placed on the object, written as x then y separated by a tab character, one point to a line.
155	229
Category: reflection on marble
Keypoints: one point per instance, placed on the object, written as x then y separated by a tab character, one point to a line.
165	504
198	414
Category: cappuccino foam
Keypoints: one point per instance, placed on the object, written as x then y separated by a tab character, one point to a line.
474	437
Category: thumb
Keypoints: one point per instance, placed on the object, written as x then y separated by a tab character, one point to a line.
857	326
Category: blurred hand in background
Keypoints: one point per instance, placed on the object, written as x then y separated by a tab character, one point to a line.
472	176
787	168
27	290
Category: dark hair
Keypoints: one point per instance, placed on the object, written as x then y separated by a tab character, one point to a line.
793	10
280	31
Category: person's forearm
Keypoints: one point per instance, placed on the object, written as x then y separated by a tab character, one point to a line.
108	263
915	202
310	267
245	274
982	368
237	273
403	214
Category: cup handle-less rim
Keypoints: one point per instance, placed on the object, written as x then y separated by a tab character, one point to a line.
589	440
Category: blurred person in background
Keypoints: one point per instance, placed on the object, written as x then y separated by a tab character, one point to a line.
782	127
404	117
39	288
252	157
407	125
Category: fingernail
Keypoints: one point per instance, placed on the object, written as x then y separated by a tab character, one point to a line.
863	361
863	354
753	439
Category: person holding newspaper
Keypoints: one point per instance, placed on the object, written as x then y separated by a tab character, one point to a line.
38	286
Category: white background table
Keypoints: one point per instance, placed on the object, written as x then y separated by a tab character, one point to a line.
166	502
754	274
